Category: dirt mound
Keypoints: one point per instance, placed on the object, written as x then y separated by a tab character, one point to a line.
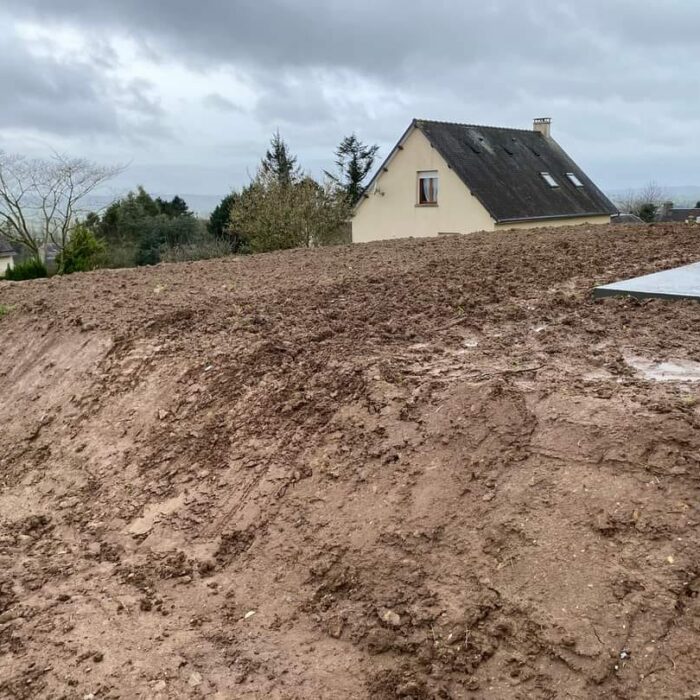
424	469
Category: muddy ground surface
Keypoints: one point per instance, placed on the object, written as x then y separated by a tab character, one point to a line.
423	469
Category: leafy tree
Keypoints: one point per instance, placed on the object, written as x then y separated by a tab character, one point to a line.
148	246
647	211
83	252
219	218
137	227
121	221
92	220
279	163
219	225
271	215
146	202
177	206
159	233
354	160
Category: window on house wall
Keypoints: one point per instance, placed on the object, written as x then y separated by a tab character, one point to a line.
428	187
549	180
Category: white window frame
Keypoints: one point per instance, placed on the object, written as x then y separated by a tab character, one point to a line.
434	189
573	178
549	179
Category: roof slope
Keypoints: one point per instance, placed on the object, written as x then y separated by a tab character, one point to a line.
501	167
6	248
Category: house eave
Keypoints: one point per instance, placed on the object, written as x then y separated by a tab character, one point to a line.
552	217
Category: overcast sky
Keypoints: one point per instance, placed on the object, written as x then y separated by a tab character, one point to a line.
188	93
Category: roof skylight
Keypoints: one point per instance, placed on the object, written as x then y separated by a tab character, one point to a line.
549	180
574	179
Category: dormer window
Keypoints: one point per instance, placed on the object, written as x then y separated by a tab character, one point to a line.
574	180
428	188
549	180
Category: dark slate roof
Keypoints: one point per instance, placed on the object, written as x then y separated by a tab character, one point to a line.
6	248
680	215
501	168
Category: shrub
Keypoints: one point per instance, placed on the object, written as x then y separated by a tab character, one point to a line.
137	227
273	216
83	252
200	250
160	232
28	270
120	255
647	212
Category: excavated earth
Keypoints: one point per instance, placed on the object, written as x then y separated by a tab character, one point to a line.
417	469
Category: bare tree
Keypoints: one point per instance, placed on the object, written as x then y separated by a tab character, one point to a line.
40	200
644	203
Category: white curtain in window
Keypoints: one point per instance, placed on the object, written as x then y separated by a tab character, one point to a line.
428	187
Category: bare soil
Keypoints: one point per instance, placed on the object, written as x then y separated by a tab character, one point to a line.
420	469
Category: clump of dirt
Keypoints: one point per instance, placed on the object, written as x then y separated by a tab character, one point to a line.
417	469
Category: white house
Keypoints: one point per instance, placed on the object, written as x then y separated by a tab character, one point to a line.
445	178
7	256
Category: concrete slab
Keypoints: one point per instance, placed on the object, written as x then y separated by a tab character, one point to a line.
677	283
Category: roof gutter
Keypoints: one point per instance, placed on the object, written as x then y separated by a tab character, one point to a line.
554	216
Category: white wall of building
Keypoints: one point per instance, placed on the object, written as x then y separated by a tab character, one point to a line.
391	209
5	262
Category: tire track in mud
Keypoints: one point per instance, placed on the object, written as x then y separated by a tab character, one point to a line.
371	472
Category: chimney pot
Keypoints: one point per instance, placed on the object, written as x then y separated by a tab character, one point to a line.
543	125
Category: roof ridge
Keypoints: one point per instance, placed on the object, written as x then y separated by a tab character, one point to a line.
477	126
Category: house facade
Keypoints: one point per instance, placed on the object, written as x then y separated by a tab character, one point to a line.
443	178
7	256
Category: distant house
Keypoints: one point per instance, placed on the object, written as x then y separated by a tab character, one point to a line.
682	215
444	178
7	256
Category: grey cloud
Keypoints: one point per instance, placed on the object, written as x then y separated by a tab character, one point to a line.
216	101
550	49
618	76
72	97
378	38
382	37
298	102
44	94
136	96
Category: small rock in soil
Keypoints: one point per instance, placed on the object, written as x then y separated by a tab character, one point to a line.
390	618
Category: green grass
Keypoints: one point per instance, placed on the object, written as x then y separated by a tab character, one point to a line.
4	310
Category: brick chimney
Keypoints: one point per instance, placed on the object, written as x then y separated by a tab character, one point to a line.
543	125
